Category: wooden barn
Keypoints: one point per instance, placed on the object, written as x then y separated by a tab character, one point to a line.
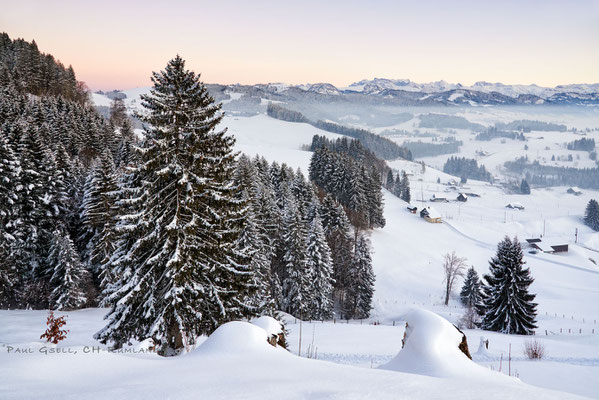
462	197
430	215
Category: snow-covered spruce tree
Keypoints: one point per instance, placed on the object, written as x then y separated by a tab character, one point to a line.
252	243
34	205
253	238
591	215
361	285
374	197
318	261
405	187
337	230
69	277
390	180
9	179
524	187
97	215
508	306
470	295
117	270
295	276
188	275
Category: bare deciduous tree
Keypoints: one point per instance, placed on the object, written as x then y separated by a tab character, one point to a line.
453	266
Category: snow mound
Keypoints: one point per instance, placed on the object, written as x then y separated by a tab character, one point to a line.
269	324
236	337
431	348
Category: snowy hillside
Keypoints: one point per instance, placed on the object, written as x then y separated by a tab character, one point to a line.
236	362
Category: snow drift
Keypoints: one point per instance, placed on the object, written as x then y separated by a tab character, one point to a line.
431	348
236	337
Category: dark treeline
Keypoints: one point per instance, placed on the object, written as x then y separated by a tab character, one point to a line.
352	148
466	168
423	149
380	146
526	125
397	184
284	114
493	132
583	144
26	69
51	149
302	242
546	175
354	184
442	121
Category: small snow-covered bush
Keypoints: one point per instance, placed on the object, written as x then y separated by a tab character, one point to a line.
534	349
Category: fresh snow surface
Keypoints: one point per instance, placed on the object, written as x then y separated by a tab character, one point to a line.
234	363
407	259
269	324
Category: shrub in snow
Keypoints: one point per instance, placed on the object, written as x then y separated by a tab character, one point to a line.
54	334
534	349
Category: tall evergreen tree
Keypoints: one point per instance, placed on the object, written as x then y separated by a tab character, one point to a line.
524	187
405	187
97	215
319	263
470	295
508	305
390	180
9	216
188	276
361	286
296	277
591	215
69	276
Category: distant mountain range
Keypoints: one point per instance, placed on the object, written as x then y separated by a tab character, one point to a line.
406	92
403	92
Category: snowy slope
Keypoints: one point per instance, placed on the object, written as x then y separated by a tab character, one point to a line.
407	262
234	363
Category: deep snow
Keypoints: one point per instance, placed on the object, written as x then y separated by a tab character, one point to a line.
236	363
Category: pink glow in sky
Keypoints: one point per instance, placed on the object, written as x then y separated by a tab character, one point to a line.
116	44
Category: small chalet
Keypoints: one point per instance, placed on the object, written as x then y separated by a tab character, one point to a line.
412	209
538	244
430	215
575	191
516	206
462	197
437	199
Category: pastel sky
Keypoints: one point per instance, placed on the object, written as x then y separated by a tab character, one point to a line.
116	44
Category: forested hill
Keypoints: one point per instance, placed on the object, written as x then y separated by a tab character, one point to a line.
51	140
24	67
